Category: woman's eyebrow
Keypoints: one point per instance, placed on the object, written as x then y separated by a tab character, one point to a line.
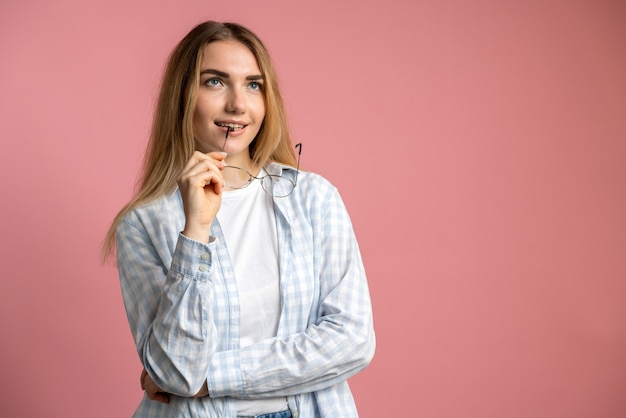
216	72
226	75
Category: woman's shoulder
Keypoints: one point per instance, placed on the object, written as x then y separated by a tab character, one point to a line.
304	179
315	183
153	212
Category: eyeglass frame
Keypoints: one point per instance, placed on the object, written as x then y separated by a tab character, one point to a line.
251	177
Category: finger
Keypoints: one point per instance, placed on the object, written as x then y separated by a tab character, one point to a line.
202	180
162	397
204	165
154	392
203	169
217	155
151	386
198	162
199	158
141	380
195	158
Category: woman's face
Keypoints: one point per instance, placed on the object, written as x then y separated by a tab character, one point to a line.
230	95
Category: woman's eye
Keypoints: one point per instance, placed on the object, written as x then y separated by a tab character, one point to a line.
256	86
213	82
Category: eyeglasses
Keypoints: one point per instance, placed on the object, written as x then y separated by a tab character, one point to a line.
276	186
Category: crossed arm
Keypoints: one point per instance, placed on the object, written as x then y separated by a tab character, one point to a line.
174	327
157	394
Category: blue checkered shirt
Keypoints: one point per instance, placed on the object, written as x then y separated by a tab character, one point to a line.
182	305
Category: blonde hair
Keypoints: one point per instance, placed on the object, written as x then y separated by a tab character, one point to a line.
172	141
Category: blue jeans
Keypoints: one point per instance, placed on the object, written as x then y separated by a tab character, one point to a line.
281	414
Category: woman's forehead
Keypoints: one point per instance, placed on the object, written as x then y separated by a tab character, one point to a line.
229	56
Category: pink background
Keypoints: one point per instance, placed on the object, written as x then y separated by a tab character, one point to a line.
480	147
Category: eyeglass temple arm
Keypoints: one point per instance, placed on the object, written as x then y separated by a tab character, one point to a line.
299	146
226	139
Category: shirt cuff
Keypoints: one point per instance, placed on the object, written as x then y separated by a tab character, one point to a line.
225	376
193	258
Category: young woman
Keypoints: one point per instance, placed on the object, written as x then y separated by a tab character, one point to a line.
241	275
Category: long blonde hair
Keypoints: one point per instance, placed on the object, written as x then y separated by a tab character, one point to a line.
172	141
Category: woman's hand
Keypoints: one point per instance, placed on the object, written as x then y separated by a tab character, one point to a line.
201	185
157	394
152	390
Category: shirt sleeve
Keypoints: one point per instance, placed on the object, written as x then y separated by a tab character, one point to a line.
167	306
336	346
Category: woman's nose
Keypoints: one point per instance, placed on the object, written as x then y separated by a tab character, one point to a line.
235	102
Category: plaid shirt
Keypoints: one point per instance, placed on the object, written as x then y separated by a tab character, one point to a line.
183	308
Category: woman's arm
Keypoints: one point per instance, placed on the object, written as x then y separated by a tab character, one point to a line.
167	306
336	346
167	299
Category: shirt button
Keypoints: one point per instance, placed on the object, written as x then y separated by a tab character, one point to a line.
202	267
204	257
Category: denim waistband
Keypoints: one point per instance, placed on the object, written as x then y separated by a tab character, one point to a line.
281	414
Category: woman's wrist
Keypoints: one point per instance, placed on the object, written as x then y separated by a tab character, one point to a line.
197	234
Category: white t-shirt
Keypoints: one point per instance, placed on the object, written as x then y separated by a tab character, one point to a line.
249	225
